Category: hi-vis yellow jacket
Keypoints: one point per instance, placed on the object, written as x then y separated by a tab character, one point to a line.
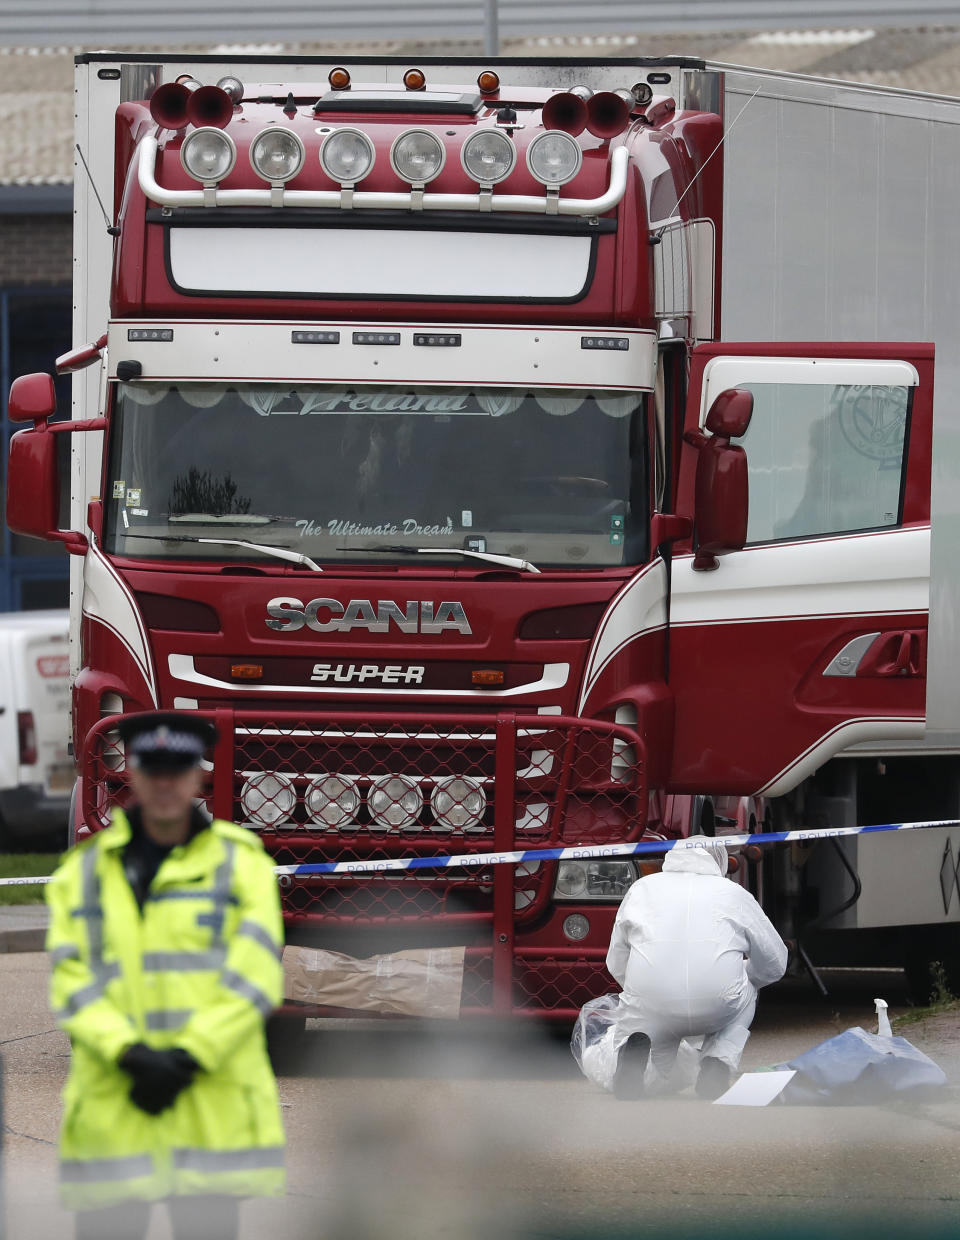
199	968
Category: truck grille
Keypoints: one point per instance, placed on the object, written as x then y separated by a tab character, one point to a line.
343	786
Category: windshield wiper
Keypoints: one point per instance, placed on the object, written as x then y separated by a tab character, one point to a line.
505	561
281	553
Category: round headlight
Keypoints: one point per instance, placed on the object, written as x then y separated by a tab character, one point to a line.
417	156
268	799
395	801
554	157
457	803
347	155
488	156
571	878
208	154
332	801
277	154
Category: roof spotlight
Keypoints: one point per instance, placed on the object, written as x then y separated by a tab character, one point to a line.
488	156
277	154
208	155
339	78
554	157
488	82
415	79
417	156
347	156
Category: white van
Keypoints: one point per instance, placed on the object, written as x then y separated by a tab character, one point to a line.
36	769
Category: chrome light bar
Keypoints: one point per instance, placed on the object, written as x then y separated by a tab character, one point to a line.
380	201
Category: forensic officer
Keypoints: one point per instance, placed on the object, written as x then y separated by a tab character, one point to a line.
165	937
690	950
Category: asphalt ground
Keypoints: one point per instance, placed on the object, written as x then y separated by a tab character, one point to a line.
476	1131
23	927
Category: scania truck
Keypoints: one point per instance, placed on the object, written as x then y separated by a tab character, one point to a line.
516	453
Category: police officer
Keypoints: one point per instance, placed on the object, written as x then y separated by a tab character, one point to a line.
165	937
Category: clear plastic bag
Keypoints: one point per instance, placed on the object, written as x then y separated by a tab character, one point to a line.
592	1040
596	1041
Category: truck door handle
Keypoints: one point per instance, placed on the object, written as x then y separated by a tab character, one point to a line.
902	663
898	654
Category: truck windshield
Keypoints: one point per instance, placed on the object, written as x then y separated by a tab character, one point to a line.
557	478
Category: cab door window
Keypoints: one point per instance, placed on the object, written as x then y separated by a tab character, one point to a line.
824	457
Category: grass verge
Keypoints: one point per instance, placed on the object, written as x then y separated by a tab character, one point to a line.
942	999
25	865
916	1015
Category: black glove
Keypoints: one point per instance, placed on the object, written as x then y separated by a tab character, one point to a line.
158	1076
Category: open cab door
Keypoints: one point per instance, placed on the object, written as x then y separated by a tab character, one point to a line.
798	617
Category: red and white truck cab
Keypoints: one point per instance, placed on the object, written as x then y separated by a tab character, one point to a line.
407	452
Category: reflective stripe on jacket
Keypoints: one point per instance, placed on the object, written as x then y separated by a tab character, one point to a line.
200	969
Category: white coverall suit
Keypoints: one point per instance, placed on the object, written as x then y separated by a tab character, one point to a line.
690	949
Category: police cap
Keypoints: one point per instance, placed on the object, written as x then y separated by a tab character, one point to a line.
165	741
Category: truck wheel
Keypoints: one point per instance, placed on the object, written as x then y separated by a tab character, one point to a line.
931	960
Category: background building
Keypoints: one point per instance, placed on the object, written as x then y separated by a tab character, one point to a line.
36	175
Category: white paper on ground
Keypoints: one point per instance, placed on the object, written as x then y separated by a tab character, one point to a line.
755	1089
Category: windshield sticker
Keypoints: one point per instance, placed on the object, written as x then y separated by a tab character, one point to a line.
280	402
140	512
126	519
119	489
466	518
133	497
269	402
338	528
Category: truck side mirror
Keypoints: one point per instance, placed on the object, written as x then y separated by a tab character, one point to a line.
721	497
33	485
33	474
32	399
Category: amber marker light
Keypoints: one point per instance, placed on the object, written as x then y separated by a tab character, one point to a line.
246	671
415	79
485	677
489	82
339	78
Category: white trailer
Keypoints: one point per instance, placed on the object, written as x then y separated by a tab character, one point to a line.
840	223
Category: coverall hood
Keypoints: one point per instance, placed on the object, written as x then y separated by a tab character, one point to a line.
707	857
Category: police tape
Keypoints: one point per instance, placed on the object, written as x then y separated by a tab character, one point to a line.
576	852
587	852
